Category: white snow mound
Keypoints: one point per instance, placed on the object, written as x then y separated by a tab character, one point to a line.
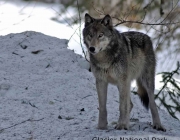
45	94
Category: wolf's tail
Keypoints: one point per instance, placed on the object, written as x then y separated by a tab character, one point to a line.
143	94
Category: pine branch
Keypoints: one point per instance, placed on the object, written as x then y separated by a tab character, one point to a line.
168	75
170	93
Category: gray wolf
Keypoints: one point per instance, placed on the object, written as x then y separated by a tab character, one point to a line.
118	58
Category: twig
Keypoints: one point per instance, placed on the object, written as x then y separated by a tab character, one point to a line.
129	13
28	120
61	16
80	31
32	105
86	96
27	16
98	11
122	21
171	94
169	78
145	7
170	12
73	34
139	22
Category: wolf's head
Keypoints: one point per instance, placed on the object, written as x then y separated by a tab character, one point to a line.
97	33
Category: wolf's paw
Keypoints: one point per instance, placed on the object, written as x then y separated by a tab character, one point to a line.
102	126
121	126
159	127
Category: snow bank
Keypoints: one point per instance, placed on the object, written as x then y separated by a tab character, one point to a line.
45	94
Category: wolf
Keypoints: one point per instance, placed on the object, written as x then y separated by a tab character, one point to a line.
118	58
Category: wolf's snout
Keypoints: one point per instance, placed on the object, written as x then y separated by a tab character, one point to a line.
92	49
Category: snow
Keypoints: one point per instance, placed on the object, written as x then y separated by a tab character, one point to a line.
17	16
47	94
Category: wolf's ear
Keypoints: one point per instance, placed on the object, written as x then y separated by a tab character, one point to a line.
107	21
88	20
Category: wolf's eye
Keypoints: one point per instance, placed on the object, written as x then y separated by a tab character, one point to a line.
90	35
101	35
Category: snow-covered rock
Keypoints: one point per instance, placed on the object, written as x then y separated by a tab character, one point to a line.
45	94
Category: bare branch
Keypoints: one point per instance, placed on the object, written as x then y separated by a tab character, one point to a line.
122	21
61	16
97	10
170	12
80	32
28	120
73	34
139	22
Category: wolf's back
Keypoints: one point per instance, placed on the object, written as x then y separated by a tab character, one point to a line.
139	40
136	41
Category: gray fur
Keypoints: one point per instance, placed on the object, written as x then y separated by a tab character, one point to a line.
118	58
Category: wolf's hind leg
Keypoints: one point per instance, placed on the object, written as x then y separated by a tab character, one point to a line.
102	98
146	87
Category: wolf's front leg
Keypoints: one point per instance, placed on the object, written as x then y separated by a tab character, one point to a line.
102	98
124	108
